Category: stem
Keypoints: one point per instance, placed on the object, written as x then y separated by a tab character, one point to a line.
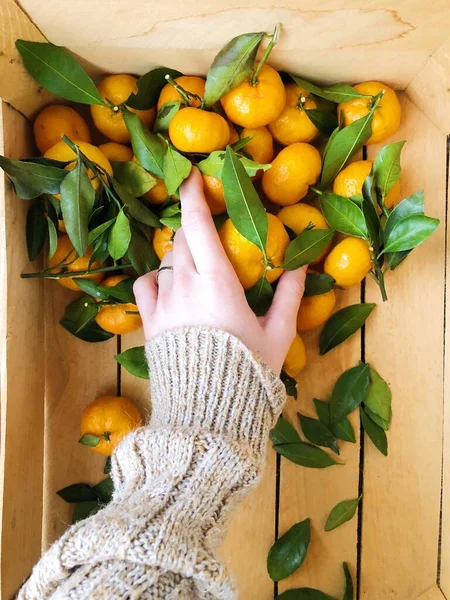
274	39
378	274
47	275
316	190
185	95
384	209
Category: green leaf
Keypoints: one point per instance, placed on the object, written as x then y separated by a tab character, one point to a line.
289	551
349	592
243	203
122	291
349	391
412	205
86	316
134	361
260	296
89	440
305	455
386	167
30	179
338	92
171	217
83	510
107	467
283	433
303	594
232	65
165	115
77	492
343	324
317	284
307	247
104	490
410	232
94	234
323	120
36	230
342	146
147	147
136	208
119	236
369	208
77	201
176	169
378	400
290	384
57	71
343	215
318	433
342	429
213	165
341	513
52	237
149	87
133	177
73	314
375	433
141	253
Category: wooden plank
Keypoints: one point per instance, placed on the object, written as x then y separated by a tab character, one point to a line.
444	574
429	89
16	86
22	375
433	593
400	37
251	531
313	493
76	373
404	341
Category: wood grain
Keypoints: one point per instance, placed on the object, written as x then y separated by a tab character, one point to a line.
22	375
339	41
77	372
16	86
404	342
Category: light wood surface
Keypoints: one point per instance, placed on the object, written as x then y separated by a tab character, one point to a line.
404	341
433	593
16	86
22	375
346	40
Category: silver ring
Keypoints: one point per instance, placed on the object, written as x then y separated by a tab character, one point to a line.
165	268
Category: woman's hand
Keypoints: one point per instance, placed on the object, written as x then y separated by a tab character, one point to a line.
203	289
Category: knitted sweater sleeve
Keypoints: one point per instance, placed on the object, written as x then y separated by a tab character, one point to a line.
175	480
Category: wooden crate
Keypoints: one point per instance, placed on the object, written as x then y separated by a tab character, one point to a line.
399	544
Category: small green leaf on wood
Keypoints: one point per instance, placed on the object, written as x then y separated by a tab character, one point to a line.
243	203
89	440
318	433
305	455
409	233
386	167
349	391
57	71
341	513
73	316
343	429
36	230
307	247
134	361
349	592
303	594
283	433
260	296
378	400
232	65
317	284
343	324
77	492
289	551
375	433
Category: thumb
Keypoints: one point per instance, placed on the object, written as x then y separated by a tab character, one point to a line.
281	319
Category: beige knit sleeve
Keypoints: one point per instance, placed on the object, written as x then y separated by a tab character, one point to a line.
176	480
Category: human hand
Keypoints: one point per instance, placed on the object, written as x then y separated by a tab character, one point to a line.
203	289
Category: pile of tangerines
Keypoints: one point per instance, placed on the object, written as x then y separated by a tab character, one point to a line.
271	114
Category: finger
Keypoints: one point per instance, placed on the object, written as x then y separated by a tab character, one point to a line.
199	228
165	276
281	319
146	292
182	257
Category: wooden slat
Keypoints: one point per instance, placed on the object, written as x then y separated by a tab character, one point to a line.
444	574
76	373
22	375
16	86
404	342
251	531
334	41
313	493
433	593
